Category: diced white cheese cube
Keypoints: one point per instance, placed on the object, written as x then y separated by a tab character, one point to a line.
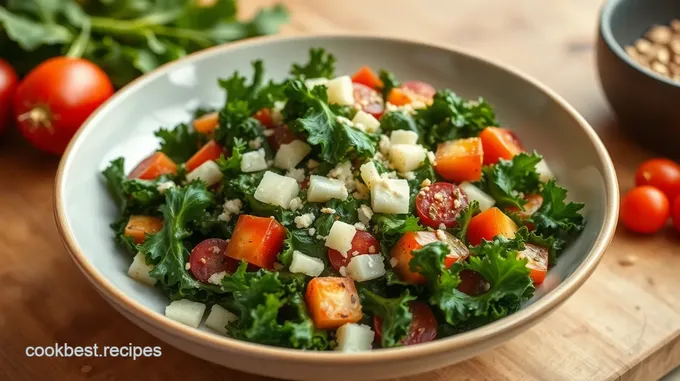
384	145
139	270
406	157
304	264
208	172
314	82
353	337
485	201
390	196
218	318
291	154
403	137
322	189
544	172
253	161
340	237
369	173
275	189
216	278
304	221
341	91
186	312
366	267
368	121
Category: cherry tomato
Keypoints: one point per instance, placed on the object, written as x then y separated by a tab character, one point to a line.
423	327
537	257
8	85
265	117
440	204
472	283
423	90
402	252
532	205
676	213
361	244
282	135
368	100
209	257
56	97
645	209
663	174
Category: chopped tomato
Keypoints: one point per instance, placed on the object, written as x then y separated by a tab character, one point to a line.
460	160
532	205
423	327
490	223
537	257
419	90
663	174
282	135
439	204
368	100
258	240
645	209
362	243
416	240
458	250
472	283
399	97
332	302
499	143
139	226
209	258
157	164
210	151
264	116
367	77
206	123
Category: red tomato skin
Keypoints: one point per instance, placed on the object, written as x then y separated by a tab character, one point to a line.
472	283
676	213
264	116
258	240
440	204
209	257
420	88
645	209
423	327
663	174
368	100
282	135
56	97
9	81
361	243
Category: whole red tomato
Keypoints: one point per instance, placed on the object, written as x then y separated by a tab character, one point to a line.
8	85
56	97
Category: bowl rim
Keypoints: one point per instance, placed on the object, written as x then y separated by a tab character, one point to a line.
608	36
515	322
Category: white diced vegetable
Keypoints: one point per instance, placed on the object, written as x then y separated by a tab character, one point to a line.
162	187
218	318
366	267
304	264
369	173
208	172
353	337
406	157
390	196
314	82
253	161
544	172
403	137
340	237
275	189
370	123
322	189
341	91
365	214
186	312
139	270
485	201
291	154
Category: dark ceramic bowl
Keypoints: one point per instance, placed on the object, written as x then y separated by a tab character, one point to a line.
647	104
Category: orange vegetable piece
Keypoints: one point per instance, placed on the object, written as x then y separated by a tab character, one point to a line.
490	223
257	240
265	117
139	226
157	164
460	160
367	77
402	253
207	123
399	97
332	302
210	151
537	261
499	143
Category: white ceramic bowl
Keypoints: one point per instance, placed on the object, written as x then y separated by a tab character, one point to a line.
124	126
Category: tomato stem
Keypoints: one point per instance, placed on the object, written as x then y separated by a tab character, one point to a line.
143	27
78	47
38	116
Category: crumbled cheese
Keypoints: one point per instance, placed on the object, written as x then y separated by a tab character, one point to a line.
268	132
229	209
255	143
456	203
343	271
408	175
384	145
362	192
215	249
432	158
311	164
187	266
328	210
441	234
394	262
389	175
304	220
311	232
365	214
438	196
162	187
426	183
343	172
442	226
253	161
296	173
371	249
360	226
343	120
216	278
295	204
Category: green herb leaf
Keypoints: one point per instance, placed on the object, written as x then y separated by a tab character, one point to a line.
321	65
393	312
463	221
556	217
301	241
133	196
399	120
31	35
179	143
506	180
389	83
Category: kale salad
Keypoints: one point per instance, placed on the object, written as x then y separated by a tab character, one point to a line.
337	212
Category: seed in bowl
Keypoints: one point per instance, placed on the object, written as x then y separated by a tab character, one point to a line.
659	50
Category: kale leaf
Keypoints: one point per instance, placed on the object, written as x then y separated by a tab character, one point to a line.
556	217
133	196
508	180
389	82
394	313
399	120
321	65
463	221
179	143
300	240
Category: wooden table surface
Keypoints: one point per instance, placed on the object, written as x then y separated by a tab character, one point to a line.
624	323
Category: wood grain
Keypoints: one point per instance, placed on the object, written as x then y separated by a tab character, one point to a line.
623	324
